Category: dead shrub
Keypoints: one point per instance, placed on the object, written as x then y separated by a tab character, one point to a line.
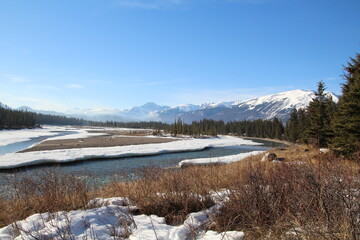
322	198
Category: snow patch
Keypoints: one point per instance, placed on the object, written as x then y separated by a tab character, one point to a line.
112	219
218	160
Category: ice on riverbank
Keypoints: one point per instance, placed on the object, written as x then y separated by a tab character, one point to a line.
217	160
13	160
12	136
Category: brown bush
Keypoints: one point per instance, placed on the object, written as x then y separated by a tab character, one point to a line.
321	198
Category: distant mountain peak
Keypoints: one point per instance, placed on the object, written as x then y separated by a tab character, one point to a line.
150	104
186	107
217	104
266	107
25	108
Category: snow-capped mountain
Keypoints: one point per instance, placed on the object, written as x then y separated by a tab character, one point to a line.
144	112
146	109
275	105
186	107
217	104
267	107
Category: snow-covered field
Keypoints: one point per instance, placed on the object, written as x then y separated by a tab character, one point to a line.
12	160
112	219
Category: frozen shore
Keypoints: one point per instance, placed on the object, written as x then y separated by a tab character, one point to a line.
218	160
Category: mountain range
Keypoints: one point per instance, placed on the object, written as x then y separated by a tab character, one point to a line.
267	107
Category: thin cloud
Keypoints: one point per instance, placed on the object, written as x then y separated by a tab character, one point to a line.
46	87
74	85
14	78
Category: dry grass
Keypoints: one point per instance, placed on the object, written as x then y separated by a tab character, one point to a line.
172	194
46	191
308	196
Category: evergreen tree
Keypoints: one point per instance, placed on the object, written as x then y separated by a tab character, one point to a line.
346	122
292	127
303	124
318	132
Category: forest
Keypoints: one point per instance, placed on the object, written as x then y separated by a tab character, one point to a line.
17	119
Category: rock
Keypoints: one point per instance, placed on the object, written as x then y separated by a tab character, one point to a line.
269	156
324	150
279	160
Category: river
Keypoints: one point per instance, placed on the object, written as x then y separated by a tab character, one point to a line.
103	171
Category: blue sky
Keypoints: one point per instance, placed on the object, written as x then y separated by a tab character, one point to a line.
68	54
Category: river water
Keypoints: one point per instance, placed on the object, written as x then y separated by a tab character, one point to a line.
103	171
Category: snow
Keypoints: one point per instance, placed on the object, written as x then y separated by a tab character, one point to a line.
218	160
217	104
284	100
80	133
13	136
112	219
13	160
186	107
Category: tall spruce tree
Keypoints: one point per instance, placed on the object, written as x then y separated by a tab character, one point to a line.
319	130
292	127
346	124
303	124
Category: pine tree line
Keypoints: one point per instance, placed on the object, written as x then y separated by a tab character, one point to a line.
326	124
141	124
15	119
257	128
57	120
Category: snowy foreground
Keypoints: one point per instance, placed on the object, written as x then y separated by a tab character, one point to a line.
112	219
13	160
